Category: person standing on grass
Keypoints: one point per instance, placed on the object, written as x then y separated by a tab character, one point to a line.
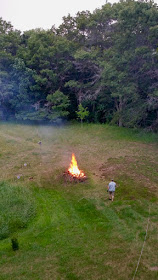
111	190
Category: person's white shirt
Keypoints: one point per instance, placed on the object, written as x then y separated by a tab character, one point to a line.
112	186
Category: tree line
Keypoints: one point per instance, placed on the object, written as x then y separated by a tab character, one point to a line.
105	62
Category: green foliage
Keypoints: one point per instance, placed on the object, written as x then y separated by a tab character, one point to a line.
58	104
72	84
106	59
82	112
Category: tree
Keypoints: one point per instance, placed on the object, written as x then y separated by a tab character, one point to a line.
22	99
129	67
9	44
106	60
57	105
86	75
82	112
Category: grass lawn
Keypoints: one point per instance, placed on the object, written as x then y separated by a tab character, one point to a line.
71	231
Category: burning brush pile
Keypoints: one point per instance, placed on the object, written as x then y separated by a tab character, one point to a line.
73	174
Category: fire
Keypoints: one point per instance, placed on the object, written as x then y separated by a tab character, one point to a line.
74	170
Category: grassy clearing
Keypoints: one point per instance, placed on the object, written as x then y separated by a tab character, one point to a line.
77	233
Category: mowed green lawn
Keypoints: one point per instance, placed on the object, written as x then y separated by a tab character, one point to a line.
71	230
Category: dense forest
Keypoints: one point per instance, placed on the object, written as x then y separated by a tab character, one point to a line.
103	64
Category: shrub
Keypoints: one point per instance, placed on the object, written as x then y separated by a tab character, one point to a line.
15	244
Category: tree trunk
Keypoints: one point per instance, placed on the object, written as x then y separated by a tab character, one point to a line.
120	111
120	121
79	96
119	106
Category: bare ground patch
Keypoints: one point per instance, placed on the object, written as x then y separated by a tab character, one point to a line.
139	169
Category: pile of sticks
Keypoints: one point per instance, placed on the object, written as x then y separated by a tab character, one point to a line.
68	177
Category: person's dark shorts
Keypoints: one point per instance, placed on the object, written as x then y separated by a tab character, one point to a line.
112	193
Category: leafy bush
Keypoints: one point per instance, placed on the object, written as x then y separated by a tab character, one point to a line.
16	207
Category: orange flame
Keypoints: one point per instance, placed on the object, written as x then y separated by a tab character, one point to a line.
74	170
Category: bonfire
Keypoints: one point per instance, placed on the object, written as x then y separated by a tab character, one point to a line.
74	173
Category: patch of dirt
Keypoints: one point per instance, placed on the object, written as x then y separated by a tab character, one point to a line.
154	268
10	137
134	167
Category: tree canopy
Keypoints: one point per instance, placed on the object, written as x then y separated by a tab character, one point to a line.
106	61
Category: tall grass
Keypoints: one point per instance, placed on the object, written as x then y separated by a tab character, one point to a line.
16	207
